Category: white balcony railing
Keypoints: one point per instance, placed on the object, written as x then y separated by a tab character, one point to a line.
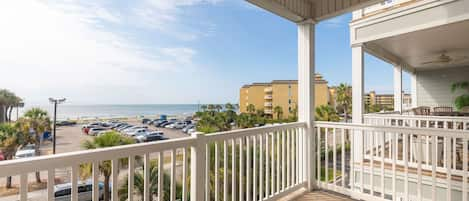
268	90
268	104
381	162
369	162
268	97
263	163
418	121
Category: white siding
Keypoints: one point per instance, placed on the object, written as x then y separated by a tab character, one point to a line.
434	86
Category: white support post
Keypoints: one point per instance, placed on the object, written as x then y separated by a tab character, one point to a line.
306	53
358	103
413	81
198	159
398	88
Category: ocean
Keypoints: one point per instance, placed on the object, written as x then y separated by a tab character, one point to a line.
65	111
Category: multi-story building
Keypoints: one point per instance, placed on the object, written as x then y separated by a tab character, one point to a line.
386	100
283	93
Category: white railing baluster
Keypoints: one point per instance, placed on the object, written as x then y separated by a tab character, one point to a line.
24	187
372	161
464	169
297	158
248	169
267	166
326	153
216	169
173	176
284	184
334	158
406	167
288	133
278	160
448	169
207	172
362	165
51	183
272	164
160	176
241	170
254	169
261	166
185	167
352	162
454	150
395	152
318	152
146	177
115	176
225	170
419	167
434	164
130	190
383	141
233	169
74	183
95	179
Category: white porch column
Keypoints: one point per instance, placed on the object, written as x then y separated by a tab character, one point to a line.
306	95
413	82
358	104
398	88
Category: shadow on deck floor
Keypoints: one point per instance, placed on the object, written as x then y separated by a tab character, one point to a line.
323	196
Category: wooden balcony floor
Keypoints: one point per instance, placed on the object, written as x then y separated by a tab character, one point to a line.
323	196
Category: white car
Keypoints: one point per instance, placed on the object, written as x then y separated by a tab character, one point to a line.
62	192
192	130
26	151
135	132
95	131
130	129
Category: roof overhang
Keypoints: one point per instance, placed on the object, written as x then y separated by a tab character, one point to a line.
298	11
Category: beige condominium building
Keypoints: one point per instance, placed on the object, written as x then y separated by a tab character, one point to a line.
283	93
386	100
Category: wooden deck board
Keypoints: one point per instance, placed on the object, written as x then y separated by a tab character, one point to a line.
323	196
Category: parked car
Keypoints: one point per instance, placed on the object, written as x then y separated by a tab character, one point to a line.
132	128
121	128
150	136
179	125
187	127
95	131
66	123
170	125
146	121
26	151
62	192
192	130
159	123
135	132
165	124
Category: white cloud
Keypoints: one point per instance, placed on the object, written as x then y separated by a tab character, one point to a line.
61	47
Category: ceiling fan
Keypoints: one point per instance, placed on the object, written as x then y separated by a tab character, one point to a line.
443	58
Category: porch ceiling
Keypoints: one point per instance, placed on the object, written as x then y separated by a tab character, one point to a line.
317	10
418	48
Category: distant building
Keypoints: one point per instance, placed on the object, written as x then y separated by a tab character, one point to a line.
283	93
386	100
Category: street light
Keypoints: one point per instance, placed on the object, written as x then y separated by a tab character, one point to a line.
55	101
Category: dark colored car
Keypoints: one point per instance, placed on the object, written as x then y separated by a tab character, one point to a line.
145	121
159	124
155	136
66	123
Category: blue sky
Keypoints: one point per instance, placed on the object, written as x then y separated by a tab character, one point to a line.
161	51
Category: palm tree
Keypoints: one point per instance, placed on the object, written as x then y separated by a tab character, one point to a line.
153	184
251	108
344	98
218	107
279	111
8	101
204	108
108	139
38	121
326	113
229	106
10	140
